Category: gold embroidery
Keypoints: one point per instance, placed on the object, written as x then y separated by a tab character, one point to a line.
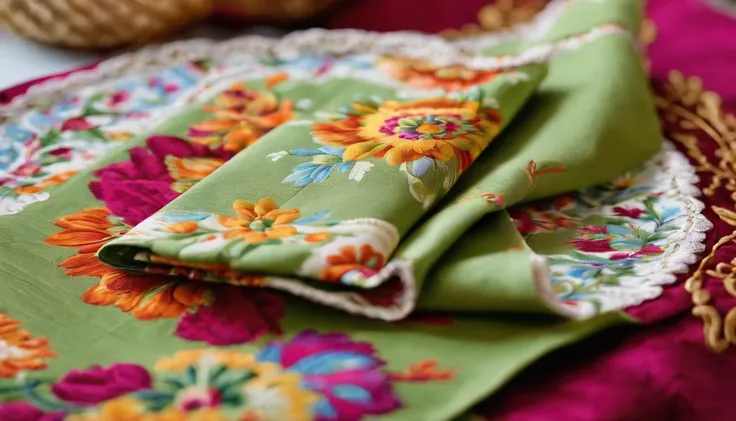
689	109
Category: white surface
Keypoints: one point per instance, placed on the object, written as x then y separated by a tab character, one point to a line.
22	60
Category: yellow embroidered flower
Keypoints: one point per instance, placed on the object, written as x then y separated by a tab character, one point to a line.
243	116
441	129
131	409
19	350
259	222
184	359
272	394
421	74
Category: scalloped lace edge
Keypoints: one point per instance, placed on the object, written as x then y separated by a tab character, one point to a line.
682	182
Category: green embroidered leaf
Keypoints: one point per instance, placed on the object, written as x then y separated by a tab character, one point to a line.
50	138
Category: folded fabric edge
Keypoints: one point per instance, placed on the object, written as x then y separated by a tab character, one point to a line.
680	178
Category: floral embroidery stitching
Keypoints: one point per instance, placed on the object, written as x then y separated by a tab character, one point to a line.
52	142
620	235
19	350
310	377
243	117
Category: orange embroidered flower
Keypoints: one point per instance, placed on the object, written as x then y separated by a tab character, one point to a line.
421	74
145	296
425	370
188	171
46	183
243	116
259	222
19	350
352	262
441	129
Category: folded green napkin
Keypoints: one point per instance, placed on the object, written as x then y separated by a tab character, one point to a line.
239	258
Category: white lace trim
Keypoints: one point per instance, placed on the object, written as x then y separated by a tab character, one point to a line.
678	180
411	44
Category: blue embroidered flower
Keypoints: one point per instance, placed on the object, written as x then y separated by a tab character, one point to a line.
324	160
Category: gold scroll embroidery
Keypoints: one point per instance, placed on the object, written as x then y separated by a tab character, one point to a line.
688	108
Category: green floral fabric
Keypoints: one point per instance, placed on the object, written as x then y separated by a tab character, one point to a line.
331	226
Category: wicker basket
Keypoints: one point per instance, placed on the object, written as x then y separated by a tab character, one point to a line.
271	11
99	23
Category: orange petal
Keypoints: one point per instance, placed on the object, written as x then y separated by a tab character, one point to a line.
245	209
230	221
236	233
85	264
183	227
191	293
264	206
281	231
317	237
215	125
282	217
240	138
276	78
77	237
363	150
255	237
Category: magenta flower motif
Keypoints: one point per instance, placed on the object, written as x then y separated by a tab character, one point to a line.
592	246
646	250
136	189
628	212
76	124
237	315
21	411
117	98
345	373
98	384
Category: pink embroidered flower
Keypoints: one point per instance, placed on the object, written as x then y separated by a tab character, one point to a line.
348	376
21	411
646	250
28	169
98	384
593	239
117	98
628	212
76	124
238	315
137	188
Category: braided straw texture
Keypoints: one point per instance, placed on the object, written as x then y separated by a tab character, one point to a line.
99	23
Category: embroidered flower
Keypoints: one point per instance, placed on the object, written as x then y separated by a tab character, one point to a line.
347	380
243	116
153	296
262	221
239	316
628	212
441	129
97	384
22	411
421	74
154	176
323	161
19	350
353	265
145	296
